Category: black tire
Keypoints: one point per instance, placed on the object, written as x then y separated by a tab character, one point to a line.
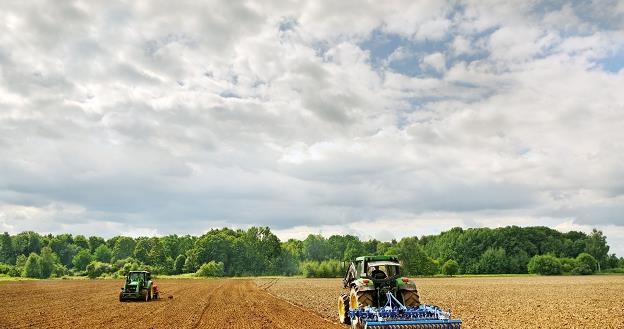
410	298
121	299
343	309
360	299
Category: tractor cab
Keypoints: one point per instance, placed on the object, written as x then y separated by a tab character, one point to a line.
376	268
380	270
136	276
369	279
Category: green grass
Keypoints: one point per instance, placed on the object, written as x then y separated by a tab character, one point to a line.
4	277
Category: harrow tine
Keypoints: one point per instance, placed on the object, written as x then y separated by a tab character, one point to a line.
415	326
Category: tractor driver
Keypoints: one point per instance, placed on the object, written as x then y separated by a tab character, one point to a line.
377	273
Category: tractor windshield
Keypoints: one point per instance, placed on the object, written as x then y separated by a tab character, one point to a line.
383	269
135	276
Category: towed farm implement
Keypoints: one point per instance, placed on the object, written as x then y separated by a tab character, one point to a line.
379	297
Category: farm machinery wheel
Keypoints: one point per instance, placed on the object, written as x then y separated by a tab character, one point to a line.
343	309
121	299
410	298
359	299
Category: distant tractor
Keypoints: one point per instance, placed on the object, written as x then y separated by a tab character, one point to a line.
378	296
139	286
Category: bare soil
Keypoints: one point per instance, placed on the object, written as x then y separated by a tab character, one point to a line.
228	303
491	302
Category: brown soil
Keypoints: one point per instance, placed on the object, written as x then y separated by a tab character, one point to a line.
491	302
195	304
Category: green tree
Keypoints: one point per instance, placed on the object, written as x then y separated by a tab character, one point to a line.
157	254
315	248
596	245
353	250
415	259
544	265
178	265
63	246
7	252
586	264
124	246
493	261
171	245
95	269
211	269
294	247
142	249
26	243
32	268
81	242
450	267
82	259
95	242
48	262
20	261
103	253
568	264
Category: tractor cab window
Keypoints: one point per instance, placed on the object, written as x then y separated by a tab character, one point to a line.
135	276
383	269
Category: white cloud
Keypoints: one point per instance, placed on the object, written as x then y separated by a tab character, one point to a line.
120	118
437	61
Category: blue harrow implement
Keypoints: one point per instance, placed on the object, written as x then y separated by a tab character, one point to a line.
395	315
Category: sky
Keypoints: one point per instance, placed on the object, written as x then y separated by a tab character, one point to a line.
381	119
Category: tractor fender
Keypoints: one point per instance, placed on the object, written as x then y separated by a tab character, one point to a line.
363	285
410	285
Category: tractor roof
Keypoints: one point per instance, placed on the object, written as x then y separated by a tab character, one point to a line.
377	258
138	272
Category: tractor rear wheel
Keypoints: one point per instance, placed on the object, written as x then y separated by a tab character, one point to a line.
343	309
359	299
410	298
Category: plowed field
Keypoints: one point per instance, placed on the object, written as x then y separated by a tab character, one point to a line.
195	304
492	302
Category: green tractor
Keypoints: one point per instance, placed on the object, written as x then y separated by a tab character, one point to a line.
139	286
368	281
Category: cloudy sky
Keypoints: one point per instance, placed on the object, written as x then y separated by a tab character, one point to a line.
381	119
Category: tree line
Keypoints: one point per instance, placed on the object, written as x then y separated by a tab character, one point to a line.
257	251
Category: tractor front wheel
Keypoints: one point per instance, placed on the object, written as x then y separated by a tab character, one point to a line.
343	309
